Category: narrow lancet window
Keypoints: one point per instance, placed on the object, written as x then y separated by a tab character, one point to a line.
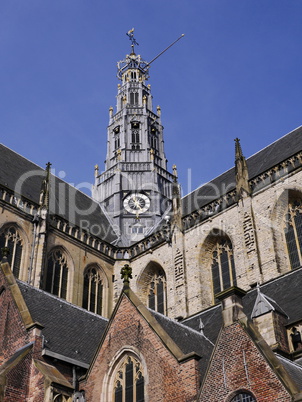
223	267
293	233
157	293
93	290
57	273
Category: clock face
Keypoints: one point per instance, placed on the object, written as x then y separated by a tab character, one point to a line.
136	203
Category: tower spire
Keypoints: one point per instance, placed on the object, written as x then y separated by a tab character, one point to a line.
136	188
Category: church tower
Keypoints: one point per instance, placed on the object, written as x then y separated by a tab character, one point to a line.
135	190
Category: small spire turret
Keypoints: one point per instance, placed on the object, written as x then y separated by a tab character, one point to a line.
241	172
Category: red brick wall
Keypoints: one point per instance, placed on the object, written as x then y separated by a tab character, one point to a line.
23	379
261	380
165	378
13	334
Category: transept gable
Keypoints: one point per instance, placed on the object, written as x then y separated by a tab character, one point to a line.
160	344
242	359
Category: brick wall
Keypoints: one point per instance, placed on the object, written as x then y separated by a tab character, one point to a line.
238	364
165	378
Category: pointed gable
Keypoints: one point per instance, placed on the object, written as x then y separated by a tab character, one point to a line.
242	360
169	373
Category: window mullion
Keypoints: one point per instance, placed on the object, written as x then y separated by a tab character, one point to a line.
296	237
89	292
13	254
96	296
230	267
53	275
61	279
220	267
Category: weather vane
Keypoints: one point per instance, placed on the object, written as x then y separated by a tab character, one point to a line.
130	34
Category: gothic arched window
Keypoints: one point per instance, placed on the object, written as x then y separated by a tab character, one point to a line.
57	273
153	138
243	397
93	290
135	135
293	233
157	292
223	267
129	381
11	238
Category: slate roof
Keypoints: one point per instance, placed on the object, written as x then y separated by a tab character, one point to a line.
68	330
187	339
284	290
258	163
293	369
16	172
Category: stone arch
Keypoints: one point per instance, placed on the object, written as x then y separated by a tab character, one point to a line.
13	236
216	244
288	196
152	287
114	366
241	395
100	276
59	274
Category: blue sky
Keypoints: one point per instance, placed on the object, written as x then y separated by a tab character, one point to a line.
236	73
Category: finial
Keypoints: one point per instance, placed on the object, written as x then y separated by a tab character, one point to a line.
126	275
152	154
130	34
96	170
5	253
44	193
158	111
238	150
118	154
110	112
241	172
201	326
174	167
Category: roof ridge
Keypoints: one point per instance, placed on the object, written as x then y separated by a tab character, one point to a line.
61	300
209	181
289	361
201	312
291	272
247	159
278	139
42	169
175	322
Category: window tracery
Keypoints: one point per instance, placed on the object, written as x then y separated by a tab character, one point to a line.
223	267
129	381
157	293
10	237
243	397
93	290
293	233
57	274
